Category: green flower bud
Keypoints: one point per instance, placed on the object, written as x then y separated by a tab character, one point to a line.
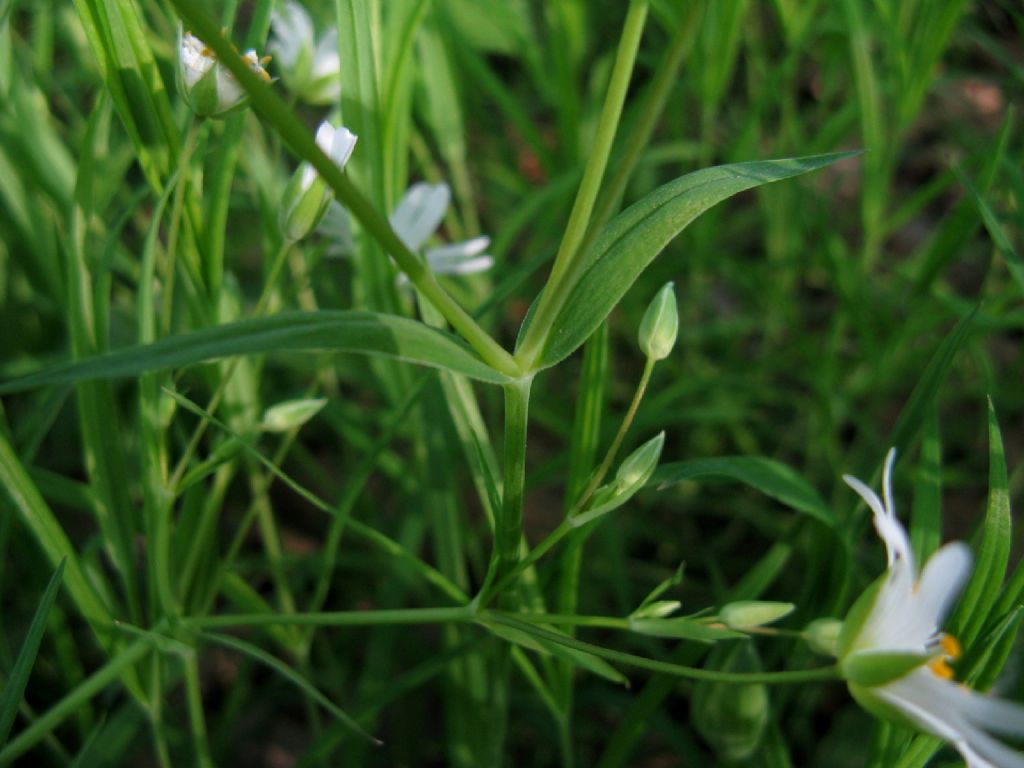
660	325
746	614
658	609
730	717
208	86
291	414
640	464
307	196
822	635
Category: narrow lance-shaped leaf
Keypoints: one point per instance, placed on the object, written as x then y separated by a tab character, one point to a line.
18	679
765	475
338	331
994	553
637	235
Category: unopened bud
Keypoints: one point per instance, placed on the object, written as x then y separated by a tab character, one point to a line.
640	464
822	635
660	325
746	614
291	414
307	196
731	718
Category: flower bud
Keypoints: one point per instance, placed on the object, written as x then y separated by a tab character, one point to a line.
731	718
640	464
657	609
291	414
660	325
208	86
307	196
746	614
822	635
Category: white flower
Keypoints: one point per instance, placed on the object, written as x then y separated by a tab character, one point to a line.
307	196
896	659
309	68
207	85
336	143
417	217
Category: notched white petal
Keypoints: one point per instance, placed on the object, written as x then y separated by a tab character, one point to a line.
943	577
420	212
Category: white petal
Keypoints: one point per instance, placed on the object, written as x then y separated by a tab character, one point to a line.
892	533
326	60
943	577
990	713
454	252
308	176
336	143
342	146
196	59
472	266
419	213
951	712
293	32
890	459
229	90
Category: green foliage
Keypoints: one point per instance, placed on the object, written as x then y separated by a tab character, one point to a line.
276	537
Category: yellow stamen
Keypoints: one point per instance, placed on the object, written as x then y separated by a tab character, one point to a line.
941	668
266	60
952	650
951	646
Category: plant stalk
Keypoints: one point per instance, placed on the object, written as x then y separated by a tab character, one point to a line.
558	287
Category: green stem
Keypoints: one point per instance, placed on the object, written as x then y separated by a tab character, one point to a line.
640	134
197	720
335	618
563	529
613	451
558	286
71	703
269	106
508	533
693	673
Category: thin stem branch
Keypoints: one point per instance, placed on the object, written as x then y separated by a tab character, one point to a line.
335	618
642	662
613	451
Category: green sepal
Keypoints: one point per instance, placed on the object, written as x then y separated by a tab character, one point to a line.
873	704
874	668
302	210
857	615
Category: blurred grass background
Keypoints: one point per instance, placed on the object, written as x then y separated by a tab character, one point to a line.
809	310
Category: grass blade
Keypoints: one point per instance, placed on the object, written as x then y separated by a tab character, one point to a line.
18	679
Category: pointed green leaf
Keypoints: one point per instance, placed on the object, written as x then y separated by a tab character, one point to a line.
920	401
637	235
765	475
994	554
14	690
338	331
521	635
289	674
